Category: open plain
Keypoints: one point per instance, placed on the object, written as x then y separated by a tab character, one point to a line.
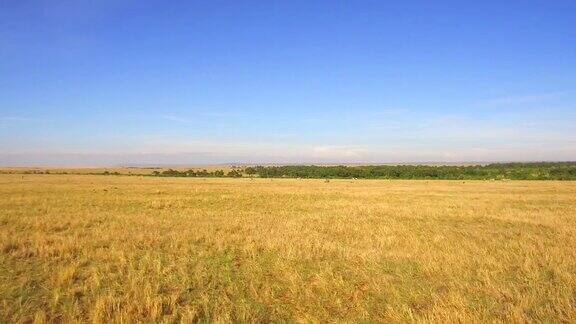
135	248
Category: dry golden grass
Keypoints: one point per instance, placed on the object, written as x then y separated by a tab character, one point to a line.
101	249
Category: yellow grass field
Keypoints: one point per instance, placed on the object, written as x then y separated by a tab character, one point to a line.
125	249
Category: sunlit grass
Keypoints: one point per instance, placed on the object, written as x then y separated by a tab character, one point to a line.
99	248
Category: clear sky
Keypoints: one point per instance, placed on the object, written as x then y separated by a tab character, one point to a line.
194	82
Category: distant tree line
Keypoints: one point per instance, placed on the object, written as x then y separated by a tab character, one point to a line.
495	171
201	173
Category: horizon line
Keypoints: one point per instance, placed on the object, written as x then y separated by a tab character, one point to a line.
247	164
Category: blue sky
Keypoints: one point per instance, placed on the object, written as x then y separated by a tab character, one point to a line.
198	82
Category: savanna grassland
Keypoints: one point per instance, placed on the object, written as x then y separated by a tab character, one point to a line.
127	248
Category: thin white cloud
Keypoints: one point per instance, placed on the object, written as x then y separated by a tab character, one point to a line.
385	112
336	152
178	119
520	99
187	118
20	119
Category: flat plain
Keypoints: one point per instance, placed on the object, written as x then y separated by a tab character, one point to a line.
87	248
